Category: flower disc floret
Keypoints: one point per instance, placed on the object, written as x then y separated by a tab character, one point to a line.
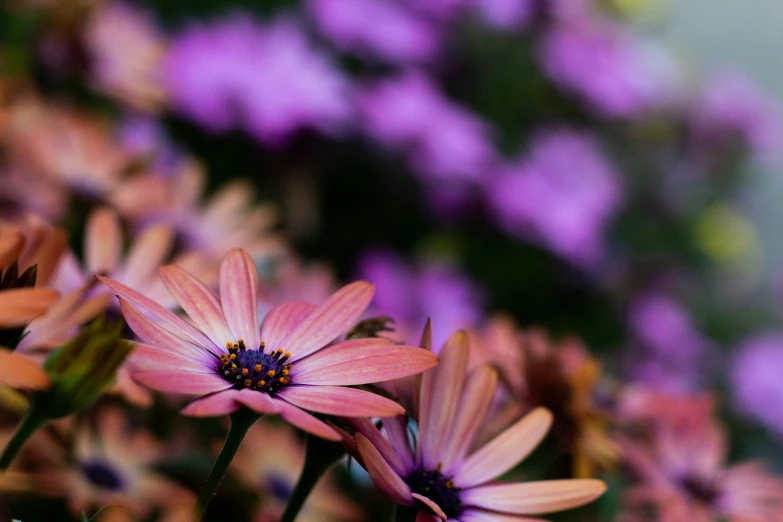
254	369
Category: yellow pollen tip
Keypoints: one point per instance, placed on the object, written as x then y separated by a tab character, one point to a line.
279	350
285	372
233	366
262	345
228	345
287	355
257	368
261	384
233	357
245	372
248	383
270	373
439	467
450	484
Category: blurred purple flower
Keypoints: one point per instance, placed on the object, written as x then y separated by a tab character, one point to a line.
411	294
377	29
442	139
266	79
669	352
755	378
563	191
506	15
614	71
733	107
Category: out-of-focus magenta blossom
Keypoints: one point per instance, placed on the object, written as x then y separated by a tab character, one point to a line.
264	78
670	352
442	140
376	29
564	192
506	14
755	377
615	72
733	110
126	48
411	294
288	366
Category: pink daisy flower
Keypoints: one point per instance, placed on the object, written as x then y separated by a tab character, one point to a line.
285	368
441	476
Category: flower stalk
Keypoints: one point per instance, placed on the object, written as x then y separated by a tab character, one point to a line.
241	421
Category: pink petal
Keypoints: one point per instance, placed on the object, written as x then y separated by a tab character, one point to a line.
146	358
329	320
382	475
147	253
239	295
362	361
397	429
534	498
425	342
21	305
199	302
180	381
504	451
103	241
367	428
281	321
431	506
335	400
475	401
479	515
306	422
214	405
258	401
153	334
448	380
162	313
423	516
19	371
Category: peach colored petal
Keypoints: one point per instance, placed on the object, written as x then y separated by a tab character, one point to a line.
146	357
475	400
281	321
534	498
382	475
11	244
306	422
215	405
103	241
147	253
367	428
361	361
181	381
478	515
162	313
199	302
258	401
448	379
21	305
239	296
332	318
156	335
336	400
397	429
431	506
504	451
19	371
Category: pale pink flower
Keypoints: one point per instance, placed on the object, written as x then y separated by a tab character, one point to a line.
127	50
442	476
270	461
211	225
683	476
223	359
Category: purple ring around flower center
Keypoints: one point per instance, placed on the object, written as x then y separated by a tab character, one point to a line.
254	369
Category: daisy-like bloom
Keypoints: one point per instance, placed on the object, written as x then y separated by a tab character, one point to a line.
442	477
112	464
286	368
683	477
213	226
73	150
270	460
127	50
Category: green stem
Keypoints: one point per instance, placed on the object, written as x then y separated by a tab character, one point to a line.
320	454
241	421
30	423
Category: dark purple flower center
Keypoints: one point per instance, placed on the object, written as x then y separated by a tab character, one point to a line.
438	488
699	488
279	487
102	474
254	369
